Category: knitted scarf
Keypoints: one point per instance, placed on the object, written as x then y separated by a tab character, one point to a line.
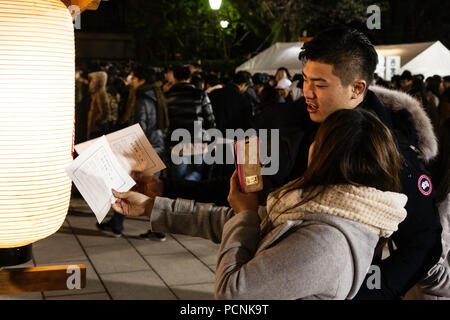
380	211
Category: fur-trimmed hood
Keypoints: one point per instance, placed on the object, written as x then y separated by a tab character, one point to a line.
397	101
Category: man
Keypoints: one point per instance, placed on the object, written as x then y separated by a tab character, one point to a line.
231	108
150	111
186	104
446	82
406	81
340	64
283	88
212	83
151	114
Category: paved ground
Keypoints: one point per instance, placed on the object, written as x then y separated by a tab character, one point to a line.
125	268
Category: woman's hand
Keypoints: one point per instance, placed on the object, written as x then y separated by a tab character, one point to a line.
132	203
240	201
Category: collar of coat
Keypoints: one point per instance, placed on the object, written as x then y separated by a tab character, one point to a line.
397	101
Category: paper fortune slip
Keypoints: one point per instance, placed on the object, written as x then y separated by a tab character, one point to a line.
132	149
95	172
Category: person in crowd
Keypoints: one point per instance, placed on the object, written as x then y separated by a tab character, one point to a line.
420	76
406	81
272	81
212	83
82	103
187	104
123	90
444	106
127	116
112	91
415	87
99	104
296	88
150	112
432	92
282	73
418	91
323	226
283	87
334	79
269	98
169	79
436	284
396	82
195	69
446	82
150	108
231	108
250	93
259	79
380	81
198	81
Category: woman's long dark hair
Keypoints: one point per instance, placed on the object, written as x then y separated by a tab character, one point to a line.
350	147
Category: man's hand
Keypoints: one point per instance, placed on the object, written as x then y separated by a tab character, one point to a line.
150	185
240	201
132	203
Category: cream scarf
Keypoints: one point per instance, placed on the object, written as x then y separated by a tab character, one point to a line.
380	211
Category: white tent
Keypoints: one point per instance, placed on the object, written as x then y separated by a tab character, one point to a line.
427	58
281	54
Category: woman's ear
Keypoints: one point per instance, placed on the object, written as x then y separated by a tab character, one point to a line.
358	88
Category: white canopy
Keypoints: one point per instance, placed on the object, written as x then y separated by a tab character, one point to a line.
281	54
427	58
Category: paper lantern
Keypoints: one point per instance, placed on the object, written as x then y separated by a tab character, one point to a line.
37	72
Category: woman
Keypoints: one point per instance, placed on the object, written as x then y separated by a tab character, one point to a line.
99	104
317	235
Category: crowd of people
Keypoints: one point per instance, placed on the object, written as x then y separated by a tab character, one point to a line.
362	160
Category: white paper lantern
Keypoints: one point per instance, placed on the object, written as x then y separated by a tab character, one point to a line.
37	72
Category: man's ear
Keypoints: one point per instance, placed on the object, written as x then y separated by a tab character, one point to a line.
358	88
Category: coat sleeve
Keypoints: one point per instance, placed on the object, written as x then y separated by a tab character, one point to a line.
187	217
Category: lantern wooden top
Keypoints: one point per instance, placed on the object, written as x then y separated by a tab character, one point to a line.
83	4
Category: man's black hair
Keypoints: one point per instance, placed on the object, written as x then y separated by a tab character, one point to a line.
446	78
145	73
242	77
259	78
212	80
181	73
406	75
348	50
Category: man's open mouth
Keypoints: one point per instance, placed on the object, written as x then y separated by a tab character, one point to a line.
312	107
